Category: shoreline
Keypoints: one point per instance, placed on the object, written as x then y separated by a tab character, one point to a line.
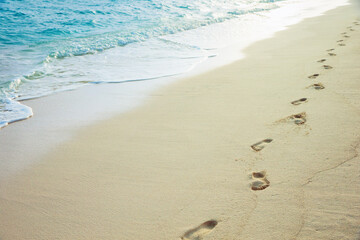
220	54
64	112
183	158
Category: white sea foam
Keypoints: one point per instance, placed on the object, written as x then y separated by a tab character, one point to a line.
227	39
15	111
96	59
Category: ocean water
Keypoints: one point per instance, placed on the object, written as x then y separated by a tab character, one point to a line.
51	46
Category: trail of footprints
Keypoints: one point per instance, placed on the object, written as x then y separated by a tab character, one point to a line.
259	179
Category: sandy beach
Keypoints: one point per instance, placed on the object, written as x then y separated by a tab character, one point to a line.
264	148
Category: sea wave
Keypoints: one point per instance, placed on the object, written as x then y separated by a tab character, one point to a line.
75	43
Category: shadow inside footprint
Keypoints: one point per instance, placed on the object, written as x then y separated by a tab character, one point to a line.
258	174
260	184
330	50
260	145
327	67
317	86
299	118
332	54
314	76
342	44
322	60
340	40
199	232
299	101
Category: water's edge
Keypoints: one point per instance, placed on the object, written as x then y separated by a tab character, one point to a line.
58	117
203	54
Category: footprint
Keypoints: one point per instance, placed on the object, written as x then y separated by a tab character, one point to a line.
322	60
327	67
299	101
299	118
344	33
330	50
314	76
260	182
352	29
340	40
259	185
260	145
341	44
346	36
332	54
317	86
258	174
199	232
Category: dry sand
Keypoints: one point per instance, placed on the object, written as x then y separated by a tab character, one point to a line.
181	165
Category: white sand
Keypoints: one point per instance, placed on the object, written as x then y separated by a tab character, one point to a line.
184	158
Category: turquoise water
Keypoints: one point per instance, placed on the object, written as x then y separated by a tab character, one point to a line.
50	46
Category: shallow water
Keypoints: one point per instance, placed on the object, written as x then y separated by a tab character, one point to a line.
50	46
